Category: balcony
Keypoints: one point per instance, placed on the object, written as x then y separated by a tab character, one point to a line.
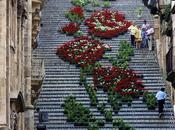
163	3
38	73
170	68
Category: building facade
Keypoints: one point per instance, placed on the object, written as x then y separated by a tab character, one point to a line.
164	24
17	39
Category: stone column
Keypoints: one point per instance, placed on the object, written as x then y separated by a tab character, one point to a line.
173	28
29	114
3	41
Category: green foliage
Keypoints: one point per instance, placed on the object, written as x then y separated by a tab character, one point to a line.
106	4
93	126
114	99
150	100
95	3
101	107
76	112
78	34
100	122
119	123
167	13
80	2
92	95
82	77
139	11
108	115
166	16
74	18
123	55
89	69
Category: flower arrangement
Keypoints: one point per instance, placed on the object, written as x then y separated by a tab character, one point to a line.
129	86
125	82
70	28
76	14
82	51
107	23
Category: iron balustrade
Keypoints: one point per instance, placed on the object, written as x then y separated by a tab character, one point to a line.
169	61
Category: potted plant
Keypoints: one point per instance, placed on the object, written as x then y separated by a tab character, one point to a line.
101	108
139	11
93	126
100	122
108	115
82	78
106	4
118	122
93	101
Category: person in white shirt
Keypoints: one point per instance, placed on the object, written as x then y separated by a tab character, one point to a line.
144	28
145	25
161	96
150	35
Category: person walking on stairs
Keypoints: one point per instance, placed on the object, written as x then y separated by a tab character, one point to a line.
132	29
150	34
161	96
138	37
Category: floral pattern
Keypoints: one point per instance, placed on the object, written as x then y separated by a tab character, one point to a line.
124	81
77	11
70	28
82	51
107	23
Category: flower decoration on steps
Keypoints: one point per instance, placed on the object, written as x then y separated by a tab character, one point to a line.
81	3
82	51
107	23
76	14
125	82
70	28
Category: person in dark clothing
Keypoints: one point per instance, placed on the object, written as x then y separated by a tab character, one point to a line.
161	96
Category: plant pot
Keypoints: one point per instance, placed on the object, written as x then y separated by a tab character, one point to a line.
70	120
101	123
129	104
65	112
116	111
102	112
109	120
151	108
105	89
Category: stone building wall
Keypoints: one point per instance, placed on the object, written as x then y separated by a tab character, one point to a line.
164	43
16	111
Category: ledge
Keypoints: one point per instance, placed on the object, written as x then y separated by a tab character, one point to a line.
37	1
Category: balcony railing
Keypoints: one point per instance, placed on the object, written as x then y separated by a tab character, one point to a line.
38	73
170	68
169	61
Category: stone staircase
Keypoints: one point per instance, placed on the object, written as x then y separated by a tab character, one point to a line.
62	78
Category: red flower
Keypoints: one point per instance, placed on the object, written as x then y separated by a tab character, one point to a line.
77	11
126	81
71	28
83	51
112	23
